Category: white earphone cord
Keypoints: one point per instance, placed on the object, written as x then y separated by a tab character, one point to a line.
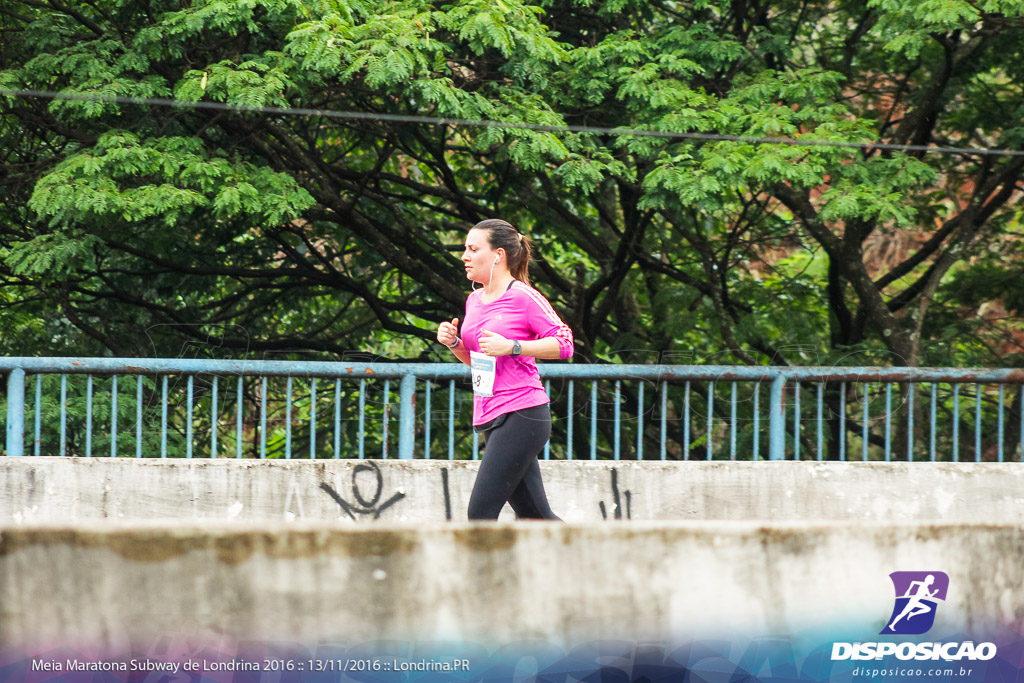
489	277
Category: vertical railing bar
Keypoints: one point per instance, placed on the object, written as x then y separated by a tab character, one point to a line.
426	419
188	418
362	418
263	419
88	416
686	420
1020	399
288	418
977	422
238	418
387	418
640	422
821	426
865	433
732	423
214	421
757	420
138	418
16	413
711	405
777	419
1001	426
337	418
312	418
932	435
451	419
796	420
956	422
593	420
163	417
37	441
888	421
842	421
570	414
407	417
618	422
911	390
663	453
547	444
63	414
113	418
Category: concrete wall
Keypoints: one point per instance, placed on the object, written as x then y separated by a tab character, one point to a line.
101	551
70	489
106	583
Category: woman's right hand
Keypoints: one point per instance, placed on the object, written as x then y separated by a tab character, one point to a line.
447	332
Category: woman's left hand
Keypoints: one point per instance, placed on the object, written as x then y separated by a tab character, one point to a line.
493	344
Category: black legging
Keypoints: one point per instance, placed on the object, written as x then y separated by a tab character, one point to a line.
509	469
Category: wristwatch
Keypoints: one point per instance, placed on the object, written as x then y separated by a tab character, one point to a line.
516	347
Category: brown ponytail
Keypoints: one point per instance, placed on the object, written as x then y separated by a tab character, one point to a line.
518	247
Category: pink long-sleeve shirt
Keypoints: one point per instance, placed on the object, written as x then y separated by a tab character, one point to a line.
522	313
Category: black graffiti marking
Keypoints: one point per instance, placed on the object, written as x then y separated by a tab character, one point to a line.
447	494
391	501
364	467
618	500
365	507
337	499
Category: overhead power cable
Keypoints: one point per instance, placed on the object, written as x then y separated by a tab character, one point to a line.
513	125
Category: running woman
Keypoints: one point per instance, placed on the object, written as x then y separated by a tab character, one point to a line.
508	325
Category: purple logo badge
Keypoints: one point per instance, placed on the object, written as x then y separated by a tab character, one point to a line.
917	596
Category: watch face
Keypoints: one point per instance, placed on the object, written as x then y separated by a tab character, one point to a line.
516	348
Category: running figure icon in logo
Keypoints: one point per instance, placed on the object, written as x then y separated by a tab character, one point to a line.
917	596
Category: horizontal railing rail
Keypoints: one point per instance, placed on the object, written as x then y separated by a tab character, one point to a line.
683	397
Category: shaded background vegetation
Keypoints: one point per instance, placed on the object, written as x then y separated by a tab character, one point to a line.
138	230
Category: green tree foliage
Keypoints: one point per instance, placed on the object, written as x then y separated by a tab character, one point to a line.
136	229
148	227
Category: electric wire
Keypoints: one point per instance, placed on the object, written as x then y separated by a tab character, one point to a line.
514	125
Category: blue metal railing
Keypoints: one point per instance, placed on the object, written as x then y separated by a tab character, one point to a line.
866	413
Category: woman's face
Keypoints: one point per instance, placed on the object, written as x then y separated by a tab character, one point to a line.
479	257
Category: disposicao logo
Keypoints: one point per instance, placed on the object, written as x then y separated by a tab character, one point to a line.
917	597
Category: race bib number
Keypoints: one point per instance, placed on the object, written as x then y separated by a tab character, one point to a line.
482	367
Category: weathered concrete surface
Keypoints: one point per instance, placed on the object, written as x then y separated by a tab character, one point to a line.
51	489
107	582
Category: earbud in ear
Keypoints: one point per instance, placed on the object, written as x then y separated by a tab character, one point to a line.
497	258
